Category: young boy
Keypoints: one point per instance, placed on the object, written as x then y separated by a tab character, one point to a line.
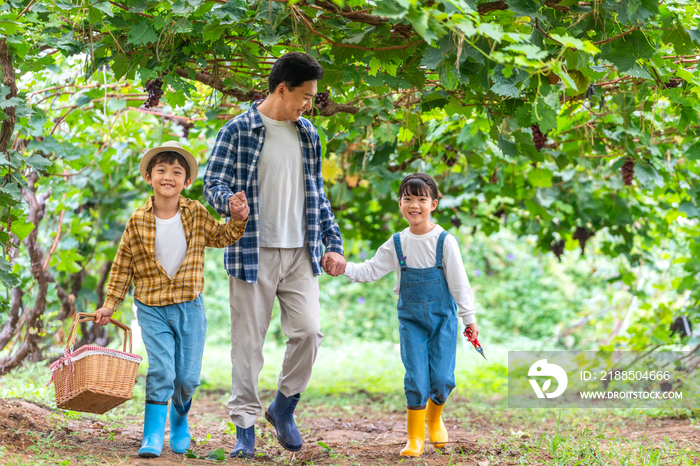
431	286
162	249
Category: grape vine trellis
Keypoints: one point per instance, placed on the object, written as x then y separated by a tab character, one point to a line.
561	120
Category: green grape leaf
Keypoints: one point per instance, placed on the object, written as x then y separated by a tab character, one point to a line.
8	278
142	33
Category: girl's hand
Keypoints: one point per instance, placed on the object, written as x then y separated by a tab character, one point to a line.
333	264
474	328
102	315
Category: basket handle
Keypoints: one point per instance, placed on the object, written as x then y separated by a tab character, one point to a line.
87	317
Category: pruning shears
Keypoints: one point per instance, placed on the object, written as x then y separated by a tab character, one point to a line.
474	341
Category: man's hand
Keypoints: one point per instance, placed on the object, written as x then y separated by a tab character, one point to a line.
333	264
238	206
102	315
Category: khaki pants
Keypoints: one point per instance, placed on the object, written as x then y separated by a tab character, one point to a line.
287	274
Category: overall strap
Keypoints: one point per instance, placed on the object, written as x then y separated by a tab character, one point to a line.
438	253
399	252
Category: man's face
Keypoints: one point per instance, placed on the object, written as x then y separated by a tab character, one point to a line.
296	102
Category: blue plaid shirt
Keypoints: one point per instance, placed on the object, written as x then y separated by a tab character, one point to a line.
233	167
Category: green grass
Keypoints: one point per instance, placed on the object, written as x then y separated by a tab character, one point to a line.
358	377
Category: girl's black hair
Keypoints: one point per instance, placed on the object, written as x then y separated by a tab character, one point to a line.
293	69
419	184
169	157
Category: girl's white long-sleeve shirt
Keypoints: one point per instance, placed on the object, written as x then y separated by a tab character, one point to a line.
419	251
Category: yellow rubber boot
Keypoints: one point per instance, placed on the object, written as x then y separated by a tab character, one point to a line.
416	433
437	433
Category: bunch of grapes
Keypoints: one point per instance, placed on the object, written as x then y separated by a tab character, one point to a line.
590	92
628	171
186	127
494	177
450	159
322	98
538	138
259	96
673	82
155	92
558	248
456	221
582	234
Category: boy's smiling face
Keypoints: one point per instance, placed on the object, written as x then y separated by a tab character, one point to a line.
416	209
168	180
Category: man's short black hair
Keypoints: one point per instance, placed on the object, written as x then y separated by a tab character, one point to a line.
293	69
169	157
419	184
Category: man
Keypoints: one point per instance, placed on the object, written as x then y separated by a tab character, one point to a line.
273	155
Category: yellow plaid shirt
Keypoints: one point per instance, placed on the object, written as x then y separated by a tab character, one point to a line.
136	256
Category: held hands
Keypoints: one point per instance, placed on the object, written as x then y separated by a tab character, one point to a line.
333	264
102	315
238	206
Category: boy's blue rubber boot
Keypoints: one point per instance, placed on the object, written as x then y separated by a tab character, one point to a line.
281	416
179	429
245	443
153	430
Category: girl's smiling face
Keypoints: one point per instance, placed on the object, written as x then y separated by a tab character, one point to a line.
416	209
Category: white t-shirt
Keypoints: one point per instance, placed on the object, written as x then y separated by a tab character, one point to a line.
419	251
171	244
281	187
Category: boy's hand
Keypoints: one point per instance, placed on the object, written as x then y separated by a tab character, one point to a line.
333	264
238	206
475	330
102	315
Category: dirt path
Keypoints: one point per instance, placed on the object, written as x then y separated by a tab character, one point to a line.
31	434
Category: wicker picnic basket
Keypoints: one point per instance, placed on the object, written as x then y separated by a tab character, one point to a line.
93	379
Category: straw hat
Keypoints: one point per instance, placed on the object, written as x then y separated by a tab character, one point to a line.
168	146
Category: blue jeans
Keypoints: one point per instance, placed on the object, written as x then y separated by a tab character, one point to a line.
428	330
174	339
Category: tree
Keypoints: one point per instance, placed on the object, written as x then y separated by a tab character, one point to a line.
562	120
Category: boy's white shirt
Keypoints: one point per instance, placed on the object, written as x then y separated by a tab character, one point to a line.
171	244
419	251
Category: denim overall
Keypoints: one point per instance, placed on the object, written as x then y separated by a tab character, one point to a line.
428	330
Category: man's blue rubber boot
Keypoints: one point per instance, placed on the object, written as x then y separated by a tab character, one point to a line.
281	416
245	443
179	430
153	430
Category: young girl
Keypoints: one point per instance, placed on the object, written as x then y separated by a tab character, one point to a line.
431	285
